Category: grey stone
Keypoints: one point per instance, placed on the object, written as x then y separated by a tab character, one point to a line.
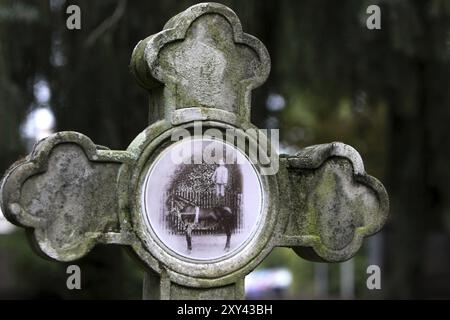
65	190
202	58
201	67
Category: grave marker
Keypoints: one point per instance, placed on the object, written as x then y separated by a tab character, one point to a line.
198	229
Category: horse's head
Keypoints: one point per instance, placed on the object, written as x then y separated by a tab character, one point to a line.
224	210
189	209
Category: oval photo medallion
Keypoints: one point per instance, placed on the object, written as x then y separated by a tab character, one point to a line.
202	198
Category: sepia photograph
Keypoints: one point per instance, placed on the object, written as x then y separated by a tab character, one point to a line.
202	209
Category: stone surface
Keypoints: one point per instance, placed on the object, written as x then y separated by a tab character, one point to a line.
335	203
201	67
201	59
65	191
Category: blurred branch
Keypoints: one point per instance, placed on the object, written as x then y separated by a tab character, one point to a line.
107	24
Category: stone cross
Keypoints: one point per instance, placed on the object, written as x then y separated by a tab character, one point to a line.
198	229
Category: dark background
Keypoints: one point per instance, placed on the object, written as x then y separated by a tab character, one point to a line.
385	92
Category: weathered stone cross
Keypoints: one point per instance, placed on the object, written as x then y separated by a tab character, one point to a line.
201	68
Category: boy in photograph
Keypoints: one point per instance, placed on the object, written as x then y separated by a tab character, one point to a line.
220	178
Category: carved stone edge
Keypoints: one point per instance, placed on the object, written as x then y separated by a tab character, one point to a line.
310	246
145	55
37	162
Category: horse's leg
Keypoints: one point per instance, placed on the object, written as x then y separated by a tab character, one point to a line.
189	239
227	245
228	233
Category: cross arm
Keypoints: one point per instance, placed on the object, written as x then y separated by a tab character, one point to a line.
65	194
332	203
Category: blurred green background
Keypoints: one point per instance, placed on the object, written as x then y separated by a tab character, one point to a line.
386	92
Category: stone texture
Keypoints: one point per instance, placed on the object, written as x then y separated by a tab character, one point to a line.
201	59
201	67
334	203
65	190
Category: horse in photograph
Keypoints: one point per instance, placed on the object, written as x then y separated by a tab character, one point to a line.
221	217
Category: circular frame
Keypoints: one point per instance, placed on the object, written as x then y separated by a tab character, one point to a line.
144	187
146	148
